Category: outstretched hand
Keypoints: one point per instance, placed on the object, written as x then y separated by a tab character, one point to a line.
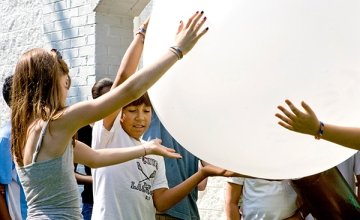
188	34
155	147
296	120
211	170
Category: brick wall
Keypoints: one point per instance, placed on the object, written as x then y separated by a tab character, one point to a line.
70	27
20	29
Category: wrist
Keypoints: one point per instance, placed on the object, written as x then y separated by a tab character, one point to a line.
203	173
320	131
146	150
141	32
177	51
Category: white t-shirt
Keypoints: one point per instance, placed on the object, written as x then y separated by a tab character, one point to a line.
349	168
266	200
124	191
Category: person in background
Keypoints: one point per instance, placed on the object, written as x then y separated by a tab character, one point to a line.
177	171
252	199
12	197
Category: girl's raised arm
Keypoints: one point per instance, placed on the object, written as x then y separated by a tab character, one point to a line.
84	113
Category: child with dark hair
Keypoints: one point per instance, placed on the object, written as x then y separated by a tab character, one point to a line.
12	198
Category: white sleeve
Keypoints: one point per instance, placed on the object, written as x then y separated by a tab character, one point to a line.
160	180
236	180
100	136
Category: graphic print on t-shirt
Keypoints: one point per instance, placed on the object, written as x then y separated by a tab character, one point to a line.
148	168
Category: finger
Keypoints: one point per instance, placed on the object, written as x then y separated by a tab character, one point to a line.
196	20
286	126
191	19
287	113
307	108
170	149
293	108
201	34
284	119
157	140
200	24
174	155
181	26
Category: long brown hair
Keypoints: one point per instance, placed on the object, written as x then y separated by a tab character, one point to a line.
36	94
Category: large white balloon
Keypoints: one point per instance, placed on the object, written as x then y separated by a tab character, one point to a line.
219	101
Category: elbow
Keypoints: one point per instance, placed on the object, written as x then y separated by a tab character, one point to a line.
161	208
94	162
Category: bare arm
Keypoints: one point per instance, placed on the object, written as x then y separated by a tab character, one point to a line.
106	157
233	194
83	179
4	212
202	185
308	123
128	66
83	113
166	198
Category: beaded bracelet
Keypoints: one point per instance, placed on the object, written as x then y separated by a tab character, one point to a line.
177	51
320	132
142	32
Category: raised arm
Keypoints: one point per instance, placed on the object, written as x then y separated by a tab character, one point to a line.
84	113
307	123
128	66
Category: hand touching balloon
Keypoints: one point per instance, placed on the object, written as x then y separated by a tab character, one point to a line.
188	34
296	120
307	123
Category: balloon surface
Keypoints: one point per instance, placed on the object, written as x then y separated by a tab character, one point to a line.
219	101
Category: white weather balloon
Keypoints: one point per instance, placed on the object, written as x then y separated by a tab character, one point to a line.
219	101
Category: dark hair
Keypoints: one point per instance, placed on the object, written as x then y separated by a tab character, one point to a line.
97	88
6	90
144	99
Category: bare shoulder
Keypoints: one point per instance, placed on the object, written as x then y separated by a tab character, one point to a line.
33	134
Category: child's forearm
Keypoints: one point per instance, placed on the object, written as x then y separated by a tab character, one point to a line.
345	136
167	198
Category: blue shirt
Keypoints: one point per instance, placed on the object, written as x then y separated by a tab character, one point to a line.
8	175
177	170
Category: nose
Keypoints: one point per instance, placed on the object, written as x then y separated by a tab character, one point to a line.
140	115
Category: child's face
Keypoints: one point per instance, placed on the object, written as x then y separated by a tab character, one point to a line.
135	120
